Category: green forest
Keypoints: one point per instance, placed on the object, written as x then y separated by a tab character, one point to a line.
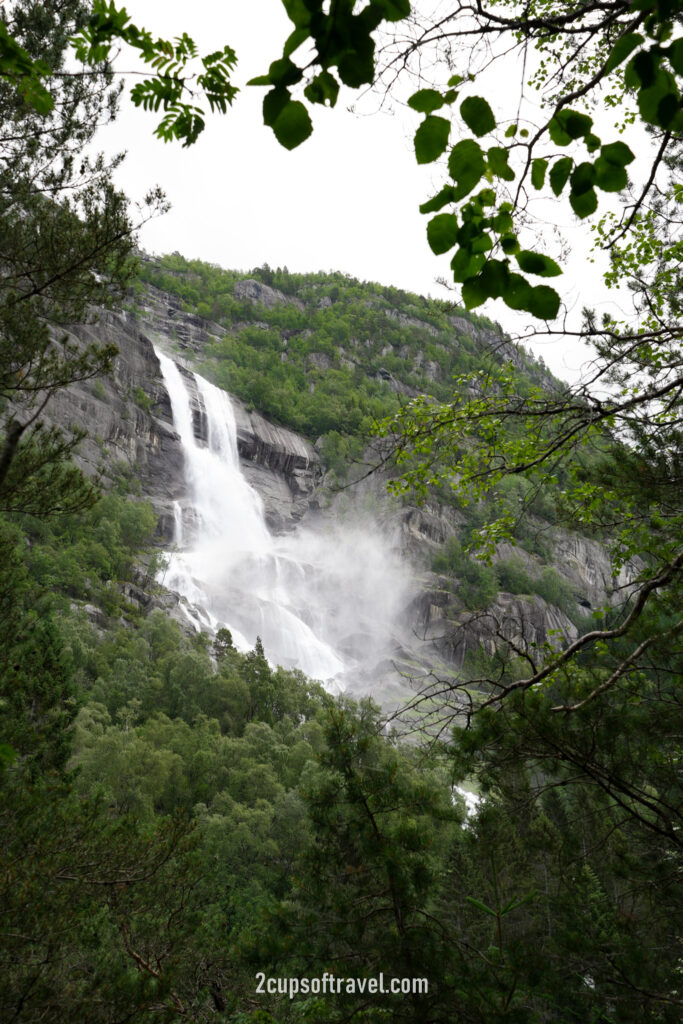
354	330
189	833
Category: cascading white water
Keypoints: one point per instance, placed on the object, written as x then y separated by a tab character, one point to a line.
323	598
233	570
177	524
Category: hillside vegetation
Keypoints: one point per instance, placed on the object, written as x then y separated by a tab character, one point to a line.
326	354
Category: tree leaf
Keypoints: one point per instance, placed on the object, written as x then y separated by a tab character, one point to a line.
496	274
668	107
584	203
298	36
559	174
426	100
621	50
617	153
357	66
643	69
609	177
438	201
474	292
480	906
393	10
538	169
568	125
503	222
660	102
518	901
36	95
509	244
582	178
490	283
544	302
293	125
274	103
675	55
482	243
536	263
298	12
323	89
557	133
431	139
517	294
466	165
442	232
465	265
477	115
575	124
284	72
498	163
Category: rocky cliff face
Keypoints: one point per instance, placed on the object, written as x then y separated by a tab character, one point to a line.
129	421
524	623
283	467
127	416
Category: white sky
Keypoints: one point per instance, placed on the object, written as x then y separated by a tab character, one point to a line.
347	199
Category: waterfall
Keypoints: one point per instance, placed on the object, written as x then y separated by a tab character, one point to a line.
177	524
232	571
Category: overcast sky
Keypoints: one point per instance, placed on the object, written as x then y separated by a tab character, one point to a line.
346	200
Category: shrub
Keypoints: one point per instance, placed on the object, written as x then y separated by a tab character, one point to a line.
477	581
513	577
142	399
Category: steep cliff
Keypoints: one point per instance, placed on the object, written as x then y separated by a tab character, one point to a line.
127	416
129	420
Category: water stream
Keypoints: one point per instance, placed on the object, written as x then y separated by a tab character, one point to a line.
321	601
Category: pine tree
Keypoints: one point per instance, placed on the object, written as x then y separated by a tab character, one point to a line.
65	245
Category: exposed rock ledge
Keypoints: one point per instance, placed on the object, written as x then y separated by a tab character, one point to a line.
129	419
524	622
281	466
263	294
